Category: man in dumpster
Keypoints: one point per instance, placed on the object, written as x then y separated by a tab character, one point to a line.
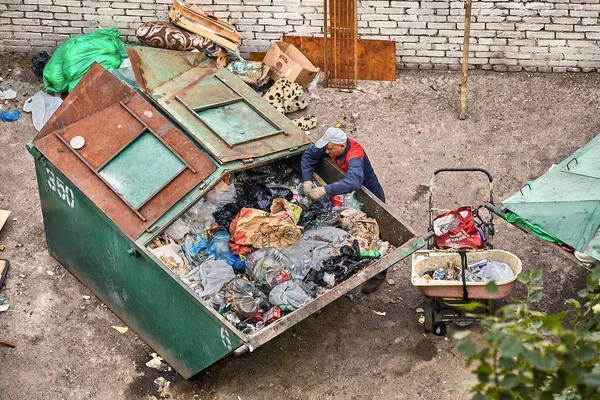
350	156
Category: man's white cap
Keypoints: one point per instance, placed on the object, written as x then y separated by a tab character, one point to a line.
332	135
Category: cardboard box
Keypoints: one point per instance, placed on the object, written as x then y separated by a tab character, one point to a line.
288	62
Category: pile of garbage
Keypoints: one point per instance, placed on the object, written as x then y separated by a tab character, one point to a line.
478	271
285	78
255	248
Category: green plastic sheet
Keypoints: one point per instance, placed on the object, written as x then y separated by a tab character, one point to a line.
75	56
536	230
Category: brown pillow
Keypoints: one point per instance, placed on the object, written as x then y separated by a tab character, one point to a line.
165	35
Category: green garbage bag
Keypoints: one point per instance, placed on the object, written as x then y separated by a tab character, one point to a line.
75	56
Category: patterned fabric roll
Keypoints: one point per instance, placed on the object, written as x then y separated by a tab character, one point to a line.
165	35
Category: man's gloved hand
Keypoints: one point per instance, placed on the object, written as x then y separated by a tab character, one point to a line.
307	186
316	193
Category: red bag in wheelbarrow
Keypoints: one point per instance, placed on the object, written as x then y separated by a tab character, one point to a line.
456	230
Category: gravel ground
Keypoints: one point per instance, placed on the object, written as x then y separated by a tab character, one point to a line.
519	125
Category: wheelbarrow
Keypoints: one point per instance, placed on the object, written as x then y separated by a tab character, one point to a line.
447	298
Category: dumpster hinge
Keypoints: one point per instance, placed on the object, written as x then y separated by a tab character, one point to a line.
248	160
133	252
293	149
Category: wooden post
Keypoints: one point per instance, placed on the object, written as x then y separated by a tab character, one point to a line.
465	62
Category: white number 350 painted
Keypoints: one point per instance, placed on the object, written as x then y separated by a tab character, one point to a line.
61	188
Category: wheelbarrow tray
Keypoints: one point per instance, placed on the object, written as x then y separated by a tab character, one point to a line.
429	260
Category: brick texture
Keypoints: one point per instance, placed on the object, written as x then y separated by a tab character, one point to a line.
545	36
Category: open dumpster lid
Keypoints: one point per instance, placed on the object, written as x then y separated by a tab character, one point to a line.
565	201
218	110
130	160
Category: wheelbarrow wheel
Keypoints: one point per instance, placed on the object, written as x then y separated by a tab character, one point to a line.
428	324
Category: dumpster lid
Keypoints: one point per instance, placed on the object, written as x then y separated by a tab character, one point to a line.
565	201
219	111
130	160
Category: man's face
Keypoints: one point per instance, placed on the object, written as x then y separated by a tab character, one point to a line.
335	150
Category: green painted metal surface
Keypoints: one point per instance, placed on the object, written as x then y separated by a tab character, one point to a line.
224	115
130	174
565	201
142	293
237	123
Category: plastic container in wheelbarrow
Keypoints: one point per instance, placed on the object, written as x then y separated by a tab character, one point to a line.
140	162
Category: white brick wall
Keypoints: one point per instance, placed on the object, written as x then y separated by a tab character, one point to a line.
547	36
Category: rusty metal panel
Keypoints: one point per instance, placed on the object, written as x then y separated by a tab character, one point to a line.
340	27
117	134
218	110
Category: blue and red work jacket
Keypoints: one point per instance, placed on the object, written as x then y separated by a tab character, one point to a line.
353	161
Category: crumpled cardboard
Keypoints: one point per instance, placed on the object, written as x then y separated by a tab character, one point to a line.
286	61
262	229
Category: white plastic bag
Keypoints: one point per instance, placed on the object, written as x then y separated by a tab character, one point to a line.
41	106
200	216
220	197
213	275
334	236
288	295
495	271
178	229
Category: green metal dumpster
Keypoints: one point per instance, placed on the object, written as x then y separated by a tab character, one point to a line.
149	153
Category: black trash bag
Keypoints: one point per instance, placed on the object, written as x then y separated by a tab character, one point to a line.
39	62
344	265
280	192
317	209
225	215
275	172
261	196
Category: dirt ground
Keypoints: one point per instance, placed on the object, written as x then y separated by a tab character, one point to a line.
519	125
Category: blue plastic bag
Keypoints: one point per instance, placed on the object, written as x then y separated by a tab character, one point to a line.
193	245
10	116
220	250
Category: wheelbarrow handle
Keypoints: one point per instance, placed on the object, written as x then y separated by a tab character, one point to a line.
431	206
464	170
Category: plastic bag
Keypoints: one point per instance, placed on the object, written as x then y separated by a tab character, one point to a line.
253	73
212	274
192	246
220	197
289	296
269	267
178	229
226	214
72	59
312	88
261	196
41	106
244	297
334	236
201	216
39	62
11	116
307	254
495	271
456	230
344	265
219	246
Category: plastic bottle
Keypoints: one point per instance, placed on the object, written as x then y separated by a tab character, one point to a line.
439	274
370	253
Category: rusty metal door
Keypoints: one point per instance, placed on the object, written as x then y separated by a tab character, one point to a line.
130	160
